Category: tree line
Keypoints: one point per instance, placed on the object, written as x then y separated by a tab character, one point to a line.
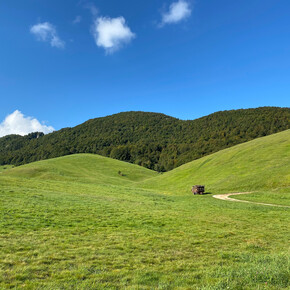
152	140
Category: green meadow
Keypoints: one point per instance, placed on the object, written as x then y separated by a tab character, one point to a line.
5	167
90	222
279	196
263	163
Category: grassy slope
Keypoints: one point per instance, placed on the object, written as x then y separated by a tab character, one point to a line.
280	196
74	222
84	168
5	167
263	163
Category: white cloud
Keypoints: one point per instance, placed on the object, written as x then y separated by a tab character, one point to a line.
17	123
46	32
77	20
178	11
111	33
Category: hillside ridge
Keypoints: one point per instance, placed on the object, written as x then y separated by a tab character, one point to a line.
153	140
263	163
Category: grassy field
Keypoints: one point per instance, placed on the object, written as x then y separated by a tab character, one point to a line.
281	196
5	167
75	222
263	163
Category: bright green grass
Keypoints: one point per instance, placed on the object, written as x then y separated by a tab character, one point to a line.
281	196
78	235
263	163
5	167
84	168
74	222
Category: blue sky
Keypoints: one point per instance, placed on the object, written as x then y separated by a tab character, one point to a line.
64	62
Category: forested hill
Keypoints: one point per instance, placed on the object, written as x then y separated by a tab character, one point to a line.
152	140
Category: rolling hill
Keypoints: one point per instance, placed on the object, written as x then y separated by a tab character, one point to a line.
84	168
75	222
152	140
263	163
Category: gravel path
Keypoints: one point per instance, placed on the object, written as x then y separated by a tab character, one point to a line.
227	197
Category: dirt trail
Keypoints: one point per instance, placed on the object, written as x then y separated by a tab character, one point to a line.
227	197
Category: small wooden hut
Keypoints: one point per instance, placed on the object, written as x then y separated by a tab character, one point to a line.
198	189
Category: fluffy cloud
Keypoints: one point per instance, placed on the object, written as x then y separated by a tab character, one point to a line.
46	32
111	33
17	123
178	11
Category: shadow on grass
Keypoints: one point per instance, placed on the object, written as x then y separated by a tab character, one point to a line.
205	193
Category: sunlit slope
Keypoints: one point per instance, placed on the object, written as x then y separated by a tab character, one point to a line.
259	164
263	163
84	168
75	223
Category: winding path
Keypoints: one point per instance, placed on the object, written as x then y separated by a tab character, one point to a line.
227	197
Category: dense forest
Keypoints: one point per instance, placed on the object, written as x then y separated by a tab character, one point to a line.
153	140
